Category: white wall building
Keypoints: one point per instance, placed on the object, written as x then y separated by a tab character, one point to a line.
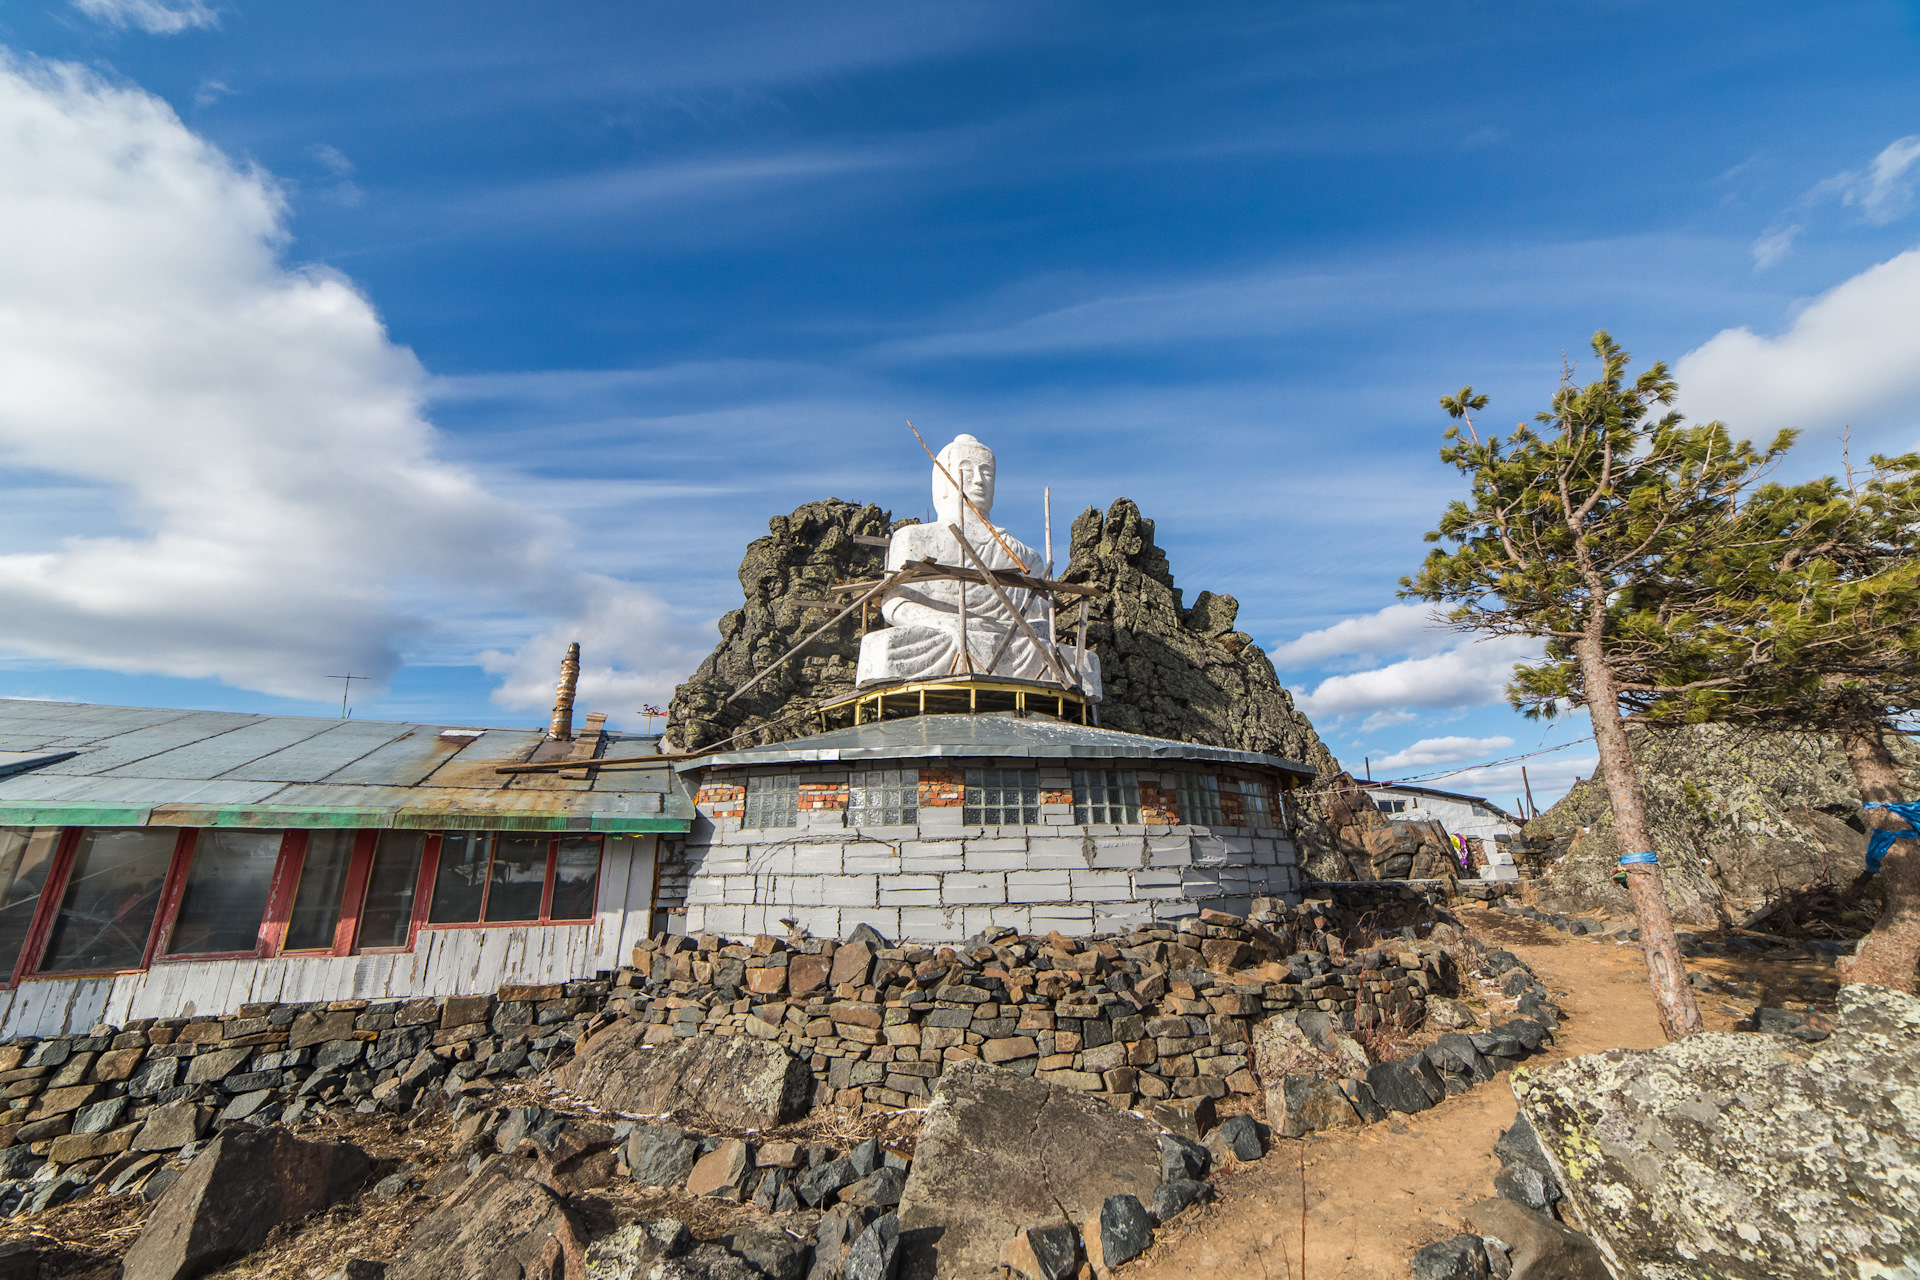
1461	815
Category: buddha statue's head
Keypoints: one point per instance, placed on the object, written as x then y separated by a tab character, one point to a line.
971	463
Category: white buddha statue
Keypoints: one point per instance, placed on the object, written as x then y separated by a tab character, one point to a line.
925	620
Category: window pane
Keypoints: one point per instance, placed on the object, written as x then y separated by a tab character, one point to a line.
1105	796
26	855
1199	799
519	878
112	892
576	878
1256	803
386	914
227	888
323	879
883	798
462	879
772	802
1001	797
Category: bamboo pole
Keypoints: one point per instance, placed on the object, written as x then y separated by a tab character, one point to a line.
1046	650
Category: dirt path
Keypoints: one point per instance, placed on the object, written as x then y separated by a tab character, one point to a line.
1376	1194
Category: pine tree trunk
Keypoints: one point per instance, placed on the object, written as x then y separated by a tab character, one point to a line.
1889	955
1666	971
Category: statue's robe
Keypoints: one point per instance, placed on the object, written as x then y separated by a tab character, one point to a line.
922	638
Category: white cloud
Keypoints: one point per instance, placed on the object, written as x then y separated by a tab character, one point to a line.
1386	720
1885	191
1430	751
1396	629
1774	244
1471	675
280	511
156	17
1851	356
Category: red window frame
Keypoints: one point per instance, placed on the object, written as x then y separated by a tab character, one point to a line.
423	899
282	888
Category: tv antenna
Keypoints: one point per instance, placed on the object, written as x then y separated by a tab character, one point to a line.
346	684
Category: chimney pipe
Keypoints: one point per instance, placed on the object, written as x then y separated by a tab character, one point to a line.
562	727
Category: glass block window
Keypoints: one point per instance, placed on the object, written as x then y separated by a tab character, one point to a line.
883	798
1001	797
772	802
1105	796
1256	801
1199	799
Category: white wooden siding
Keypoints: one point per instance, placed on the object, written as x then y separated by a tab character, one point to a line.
443	962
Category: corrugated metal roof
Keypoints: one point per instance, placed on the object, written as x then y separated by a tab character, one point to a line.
75	764
922	737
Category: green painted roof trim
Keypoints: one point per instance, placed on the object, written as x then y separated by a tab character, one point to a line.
78	815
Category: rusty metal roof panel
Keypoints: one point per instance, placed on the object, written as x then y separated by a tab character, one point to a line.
406	761
221	753
474	767
323	754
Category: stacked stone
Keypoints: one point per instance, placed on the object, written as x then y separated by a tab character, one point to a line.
111	1106
1158	1015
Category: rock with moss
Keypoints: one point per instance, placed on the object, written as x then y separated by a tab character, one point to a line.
1745	1157
1737	816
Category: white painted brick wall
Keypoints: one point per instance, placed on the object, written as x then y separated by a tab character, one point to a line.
1056	852
871	858
1100	886
909	891
933	855
849	891
978	859
1038	886
1111	852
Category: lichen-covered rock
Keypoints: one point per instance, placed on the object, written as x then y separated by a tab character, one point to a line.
1735	814
733	1081
802	557
1746	1157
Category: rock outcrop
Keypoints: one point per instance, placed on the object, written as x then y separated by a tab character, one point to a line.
239	1189
744	1082
1171	670
1001	1153
1736	815
784	575
1746	1157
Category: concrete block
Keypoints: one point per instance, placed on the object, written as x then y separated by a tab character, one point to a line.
849	891
932	855
815	859
1210	850
1064	916
1038	886
1119	851
1120	916
693	921
897	891
1101	886
886	921
1240	847
1007	917
1062	853
739	890
930	924
703	890
944	819
960	888
799	891
728	920
994	843
874	858
1169	851
724	860
977	859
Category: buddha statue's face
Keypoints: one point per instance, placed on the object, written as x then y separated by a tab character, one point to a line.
971	463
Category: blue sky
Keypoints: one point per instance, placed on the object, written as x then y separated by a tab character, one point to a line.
418	339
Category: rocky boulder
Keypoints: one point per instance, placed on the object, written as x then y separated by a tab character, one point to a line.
242	1186
1001	1153
736	1082
497	1226
1736	815
1749	1157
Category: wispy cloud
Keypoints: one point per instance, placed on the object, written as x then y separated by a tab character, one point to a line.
1882	190
156	17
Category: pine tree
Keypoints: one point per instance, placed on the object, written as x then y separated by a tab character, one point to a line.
1561	527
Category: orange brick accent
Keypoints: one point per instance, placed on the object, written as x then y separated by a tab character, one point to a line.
727	800
1159	807
1056	797
822	795
1233	805
942	788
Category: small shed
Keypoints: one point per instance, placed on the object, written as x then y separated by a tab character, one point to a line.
155	863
